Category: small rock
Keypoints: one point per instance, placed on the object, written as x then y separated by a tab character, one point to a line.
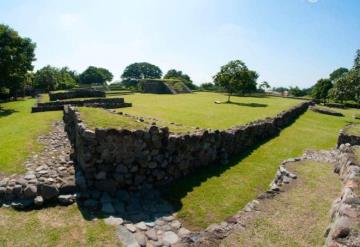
66	199
130	227
183	232
114	221
140	238
141	225
168	218
38	201
176	224
170	237
151	234
30	191
126	237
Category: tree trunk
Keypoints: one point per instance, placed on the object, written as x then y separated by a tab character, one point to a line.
228	101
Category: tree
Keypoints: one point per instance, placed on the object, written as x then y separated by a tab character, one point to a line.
264	85
16	57
296	91
338	73
235	77
342	90
95	75
354	80
51	78
321	89
208	86
357	60
138	71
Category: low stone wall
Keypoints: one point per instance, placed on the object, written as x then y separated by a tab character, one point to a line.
102	102
326	111
345	212
344	137
77	93
112	159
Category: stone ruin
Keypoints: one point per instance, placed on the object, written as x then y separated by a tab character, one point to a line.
77	93
164	86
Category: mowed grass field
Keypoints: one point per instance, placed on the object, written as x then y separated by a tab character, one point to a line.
199	109
214	193
19	130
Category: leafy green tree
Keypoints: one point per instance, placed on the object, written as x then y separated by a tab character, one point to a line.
16	57
338	73
95	75
342	90
51	78
208	86
280	89
321	89
264	85
138	71
357	60
296	91
235	77
354	80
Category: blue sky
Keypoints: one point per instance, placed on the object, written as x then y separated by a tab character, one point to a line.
288	42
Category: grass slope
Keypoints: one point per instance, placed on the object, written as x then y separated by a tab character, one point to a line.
199	110
19	130
212	194
297	217
58	226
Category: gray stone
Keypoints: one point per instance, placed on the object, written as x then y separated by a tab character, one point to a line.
141	225
38	201
176	224
130	227
48	191
183	232
114	221
151	234
30	191
126	237
170	237
66	199
140	238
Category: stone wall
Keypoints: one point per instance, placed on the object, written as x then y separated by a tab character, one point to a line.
101	102
164	86
345	212
344	137
77	93
112	159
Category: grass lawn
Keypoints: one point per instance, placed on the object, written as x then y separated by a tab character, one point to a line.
297	217
212	194
199	109
19	130
58	226
354	130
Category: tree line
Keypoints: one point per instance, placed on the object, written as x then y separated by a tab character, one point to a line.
342	85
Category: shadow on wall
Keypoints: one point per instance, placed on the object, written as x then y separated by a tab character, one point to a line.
179	189
6	112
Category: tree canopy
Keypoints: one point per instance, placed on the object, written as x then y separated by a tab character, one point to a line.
138	71
95	75
321	89
235	77
336	74
16	57
52	78
177	74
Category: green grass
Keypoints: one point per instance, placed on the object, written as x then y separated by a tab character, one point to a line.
199	109
58	226
353	130
19	130
297	217
212	194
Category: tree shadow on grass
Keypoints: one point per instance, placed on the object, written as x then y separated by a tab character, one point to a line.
246	104
6	112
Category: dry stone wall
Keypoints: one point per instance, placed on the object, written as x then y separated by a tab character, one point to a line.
102	102
77	93
345	137
112	159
